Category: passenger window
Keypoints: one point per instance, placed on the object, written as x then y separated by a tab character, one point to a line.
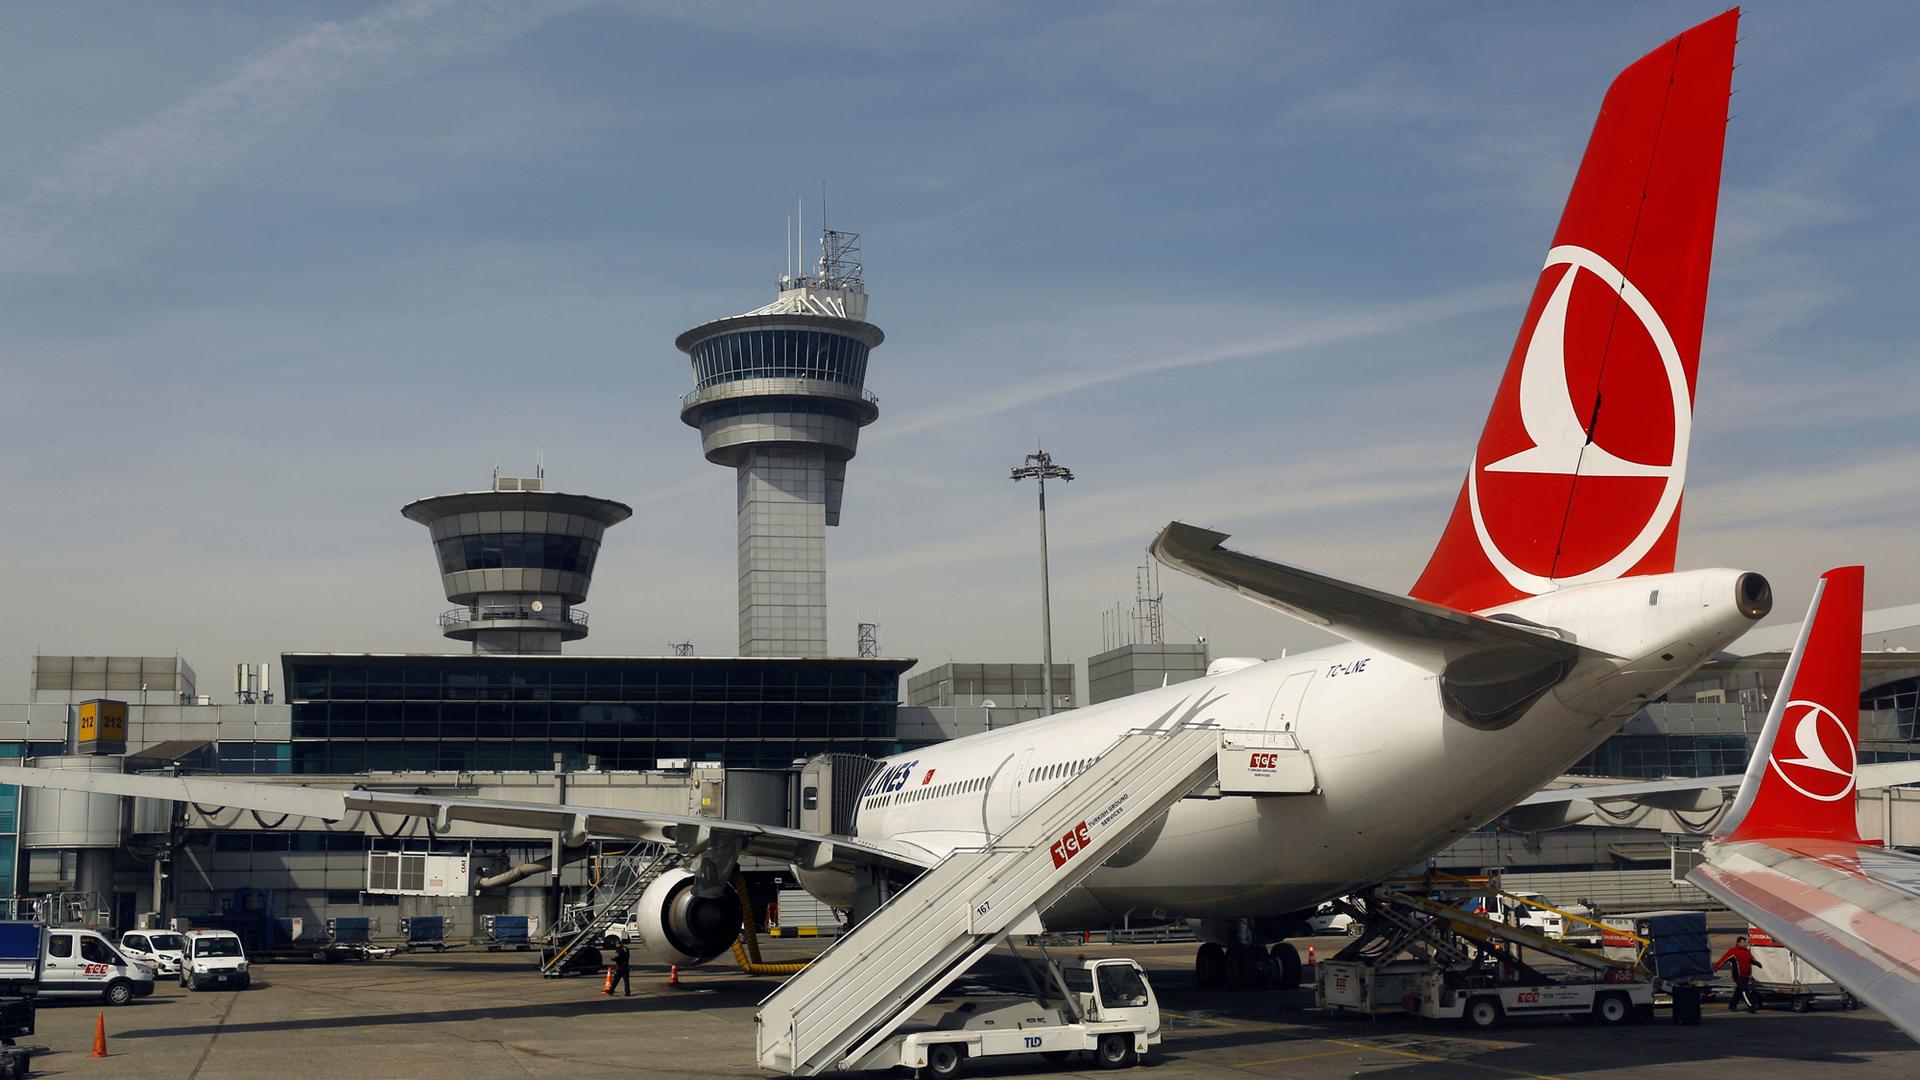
60	945
95	951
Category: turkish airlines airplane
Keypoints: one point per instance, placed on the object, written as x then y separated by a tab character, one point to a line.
1549	613
1790	857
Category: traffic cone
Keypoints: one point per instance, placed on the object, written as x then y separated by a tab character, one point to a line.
673	976
1310	954
608	988
100	1036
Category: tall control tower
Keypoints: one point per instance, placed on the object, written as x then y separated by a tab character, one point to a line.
779	395
516	559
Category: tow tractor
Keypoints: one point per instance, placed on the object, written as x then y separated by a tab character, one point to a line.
1104	1007
1427	949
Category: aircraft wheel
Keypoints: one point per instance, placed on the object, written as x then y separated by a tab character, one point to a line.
1115	1051
1288	959
945	1059
1210	966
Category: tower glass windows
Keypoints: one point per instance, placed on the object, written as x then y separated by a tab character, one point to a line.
517	550
779	354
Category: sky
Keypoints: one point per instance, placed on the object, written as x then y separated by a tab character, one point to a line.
270	271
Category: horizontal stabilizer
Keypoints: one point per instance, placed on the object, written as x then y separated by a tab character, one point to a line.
1491	670
1416	631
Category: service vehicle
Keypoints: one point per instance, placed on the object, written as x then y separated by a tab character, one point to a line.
214	958
161	948
1781	976
1329	919
1105	1008
81	963
1447	994
20	959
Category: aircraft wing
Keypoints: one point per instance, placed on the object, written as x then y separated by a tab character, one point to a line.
1555	808
575	823
1851	910
1416	631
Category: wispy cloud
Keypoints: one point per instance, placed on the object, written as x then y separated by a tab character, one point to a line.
121	190
1315	333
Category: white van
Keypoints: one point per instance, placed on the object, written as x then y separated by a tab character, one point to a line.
213	958
81	963
161	948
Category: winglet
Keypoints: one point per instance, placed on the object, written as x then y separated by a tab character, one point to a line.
1801	781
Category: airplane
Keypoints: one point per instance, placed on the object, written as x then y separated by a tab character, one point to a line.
1789	857
1549	612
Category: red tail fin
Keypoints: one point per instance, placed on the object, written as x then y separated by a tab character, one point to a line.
1801	779
1580	468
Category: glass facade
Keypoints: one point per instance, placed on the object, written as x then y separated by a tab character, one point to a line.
353	713
779	354
521	550
1652	757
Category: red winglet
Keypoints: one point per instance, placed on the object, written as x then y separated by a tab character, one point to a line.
1800	782
1582	462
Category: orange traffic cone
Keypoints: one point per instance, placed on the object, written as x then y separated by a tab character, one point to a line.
1309	954
100	1036
608	988
673	975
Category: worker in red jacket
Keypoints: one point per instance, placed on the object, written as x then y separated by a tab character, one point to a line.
1740	957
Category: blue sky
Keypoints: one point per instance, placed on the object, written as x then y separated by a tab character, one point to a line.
268	272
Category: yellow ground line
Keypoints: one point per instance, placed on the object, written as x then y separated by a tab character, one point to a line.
1453	1061
1296	1057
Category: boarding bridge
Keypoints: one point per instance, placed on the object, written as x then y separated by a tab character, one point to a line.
857	993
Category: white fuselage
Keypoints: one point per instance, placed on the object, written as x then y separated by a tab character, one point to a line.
1399	779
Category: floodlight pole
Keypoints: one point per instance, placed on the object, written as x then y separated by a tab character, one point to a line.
1040	467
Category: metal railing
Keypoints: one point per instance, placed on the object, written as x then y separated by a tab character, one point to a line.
485	612
798	383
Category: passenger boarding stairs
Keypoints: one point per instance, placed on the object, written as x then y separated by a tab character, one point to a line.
848	1001
623	878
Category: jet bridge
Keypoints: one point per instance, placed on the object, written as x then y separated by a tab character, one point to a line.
847	1003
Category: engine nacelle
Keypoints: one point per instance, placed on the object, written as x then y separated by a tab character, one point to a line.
682	928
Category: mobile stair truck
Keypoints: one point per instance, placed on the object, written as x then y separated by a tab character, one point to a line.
22	946
847	1009
1425	950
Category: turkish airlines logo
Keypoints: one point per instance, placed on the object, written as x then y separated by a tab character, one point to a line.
1822	759
1558	433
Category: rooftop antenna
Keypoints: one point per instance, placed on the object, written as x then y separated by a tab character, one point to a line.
788	280
800	207
539	462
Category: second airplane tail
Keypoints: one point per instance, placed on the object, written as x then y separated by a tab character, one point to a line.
1579	471
1801	780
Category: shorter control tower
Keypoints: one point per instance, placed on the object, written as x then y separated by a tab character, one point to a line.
779	395
517	559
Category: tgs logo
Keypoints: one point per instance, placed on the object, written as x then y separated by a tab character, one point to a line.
1263	759
1073	843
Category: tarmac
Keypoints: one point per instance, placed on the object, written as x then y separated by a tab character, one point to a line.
470	1014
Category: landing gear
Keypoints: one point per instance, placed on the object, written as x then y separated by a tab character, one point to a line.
1210	966
1287	959
1248	967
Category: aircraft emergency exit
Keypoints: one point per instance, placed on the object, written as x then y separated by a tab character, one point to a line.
1549	612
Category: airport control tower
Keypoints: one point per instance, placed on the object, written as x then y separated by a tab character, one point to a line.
779	396
516	559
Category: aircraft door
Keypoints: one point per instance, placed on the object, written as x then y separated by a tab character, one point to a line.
1284	713
1017	803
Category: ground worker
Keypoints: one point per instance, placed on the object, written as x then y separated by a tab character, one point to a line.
1740	958
622	970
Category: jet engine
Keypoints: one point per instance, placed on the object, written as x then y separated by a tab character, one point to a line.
680	927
